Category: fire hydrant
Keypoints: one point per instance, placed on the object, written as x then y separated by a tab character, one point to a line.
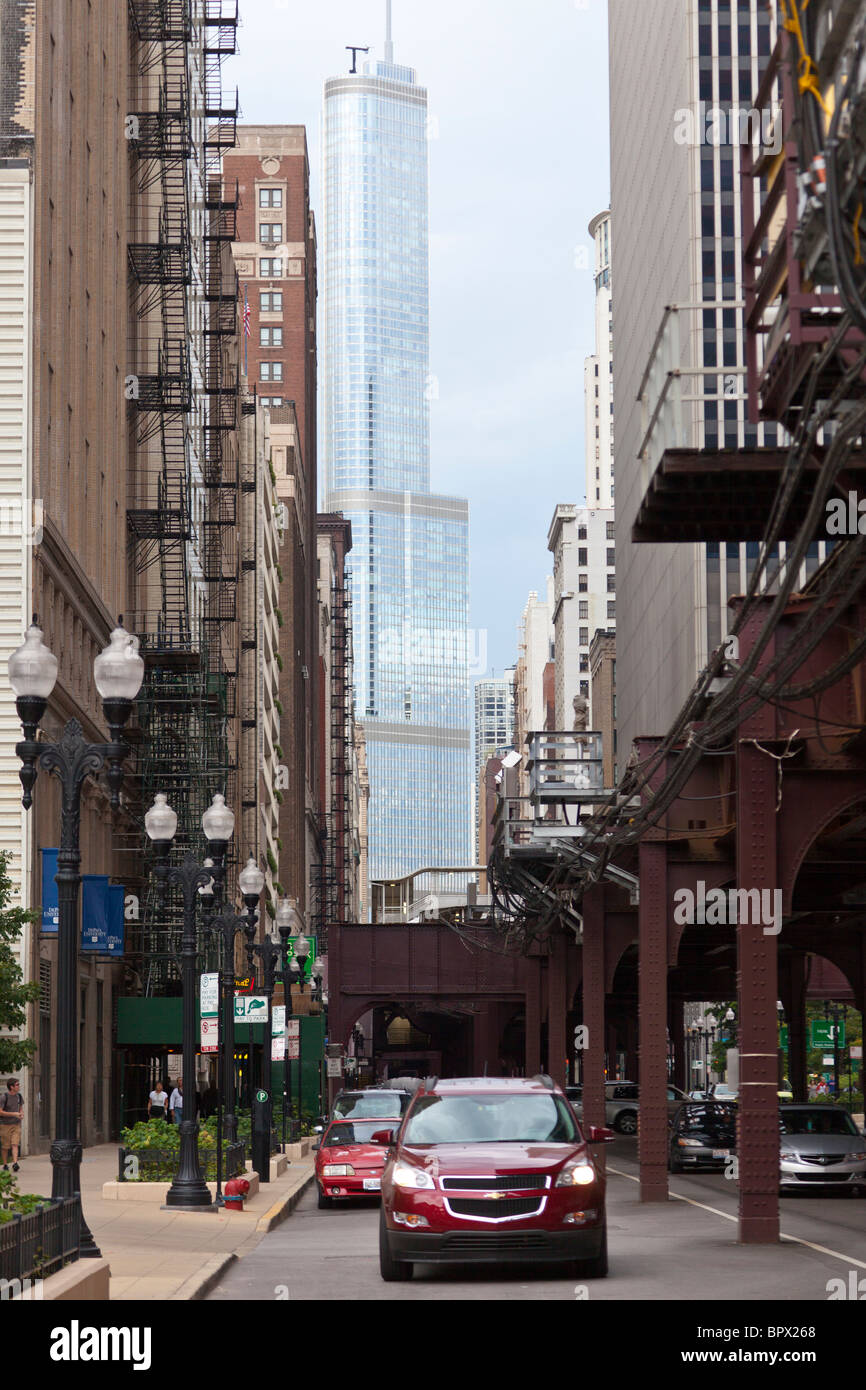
236	1190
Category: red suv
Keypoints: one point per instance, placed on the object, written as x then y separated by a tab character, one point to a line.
494	1170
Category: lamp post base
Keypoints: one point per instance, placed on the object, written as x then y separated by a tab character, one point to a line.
184	1206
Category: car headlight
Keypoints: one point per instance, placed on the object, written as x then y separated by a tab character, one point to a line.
855	1158
580	1173
691	1143
788	1154
406	1177
338	1170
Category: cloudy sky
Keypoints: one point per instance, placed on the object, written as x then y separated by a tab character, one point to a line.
519	164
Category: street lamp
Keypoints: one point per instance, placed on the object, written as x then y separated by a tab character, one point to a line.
287	919
118	673
228	925
189	1189
268	953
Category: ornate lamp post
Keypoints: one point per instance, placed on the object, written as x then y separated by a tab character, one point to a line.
302	950
227	925
268	953
287	918
118	672
188	1189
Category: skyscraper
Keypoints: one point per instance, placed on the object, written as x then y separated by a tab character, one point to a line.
410	566
678	338
598	376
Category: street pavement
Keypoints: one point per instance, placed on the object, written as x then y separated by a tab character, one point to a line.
683	1250
156	1254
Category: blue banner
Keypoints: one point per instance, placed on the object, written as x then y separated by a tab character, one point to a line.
94	912
116	919
50	908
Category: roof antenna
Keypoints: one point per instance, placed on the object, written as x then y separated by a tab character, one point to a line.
389	45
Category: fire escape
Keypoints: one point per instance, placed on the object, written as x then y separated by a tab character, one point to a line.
184	402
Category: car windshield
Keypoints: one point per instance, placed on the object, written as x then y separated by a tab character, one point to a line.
377	1104
718	1121
817	1122
355	1133
490	1119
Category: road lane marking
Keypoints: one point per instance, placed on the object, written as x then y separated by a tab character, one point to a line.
799	1240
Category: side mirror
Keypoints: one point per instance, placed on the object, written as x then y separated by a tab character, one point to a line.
383	1136
599	1135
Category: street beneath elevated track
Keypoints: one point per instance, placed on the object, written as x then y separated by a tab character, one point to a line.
681	1250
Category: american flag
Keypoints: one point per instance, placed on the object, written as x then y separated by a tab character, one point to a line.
247	328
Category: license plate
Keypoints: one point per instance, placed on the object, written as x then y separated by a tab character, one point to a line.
721	1153
372	1184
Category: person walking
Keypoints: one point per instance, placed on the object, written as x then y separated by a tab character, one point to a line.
157	1103
11	1111
175	1105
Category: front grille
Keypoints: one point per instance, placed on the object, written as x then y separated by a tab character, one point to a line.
497	1211
503	1182
525	1242
825	1159
822	1177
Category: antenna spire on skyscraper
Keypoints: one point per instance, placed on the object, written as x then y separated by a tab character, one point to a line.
389	45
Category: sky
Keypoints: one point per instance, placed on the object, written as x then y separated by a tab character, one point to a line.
519	164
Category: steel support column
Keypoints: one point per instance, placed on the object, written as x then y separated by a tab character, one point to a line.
557	1008
652	1014
758	989
532	1045
593	1005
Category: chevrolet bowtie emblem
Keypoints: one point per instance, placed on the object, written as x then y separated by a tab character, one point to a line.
494	1196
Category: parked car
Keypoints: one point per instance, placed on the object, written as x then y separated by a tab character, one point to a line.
622	1104
371	1104
703	1135
494	1171
349	1162
720	1090
821	1148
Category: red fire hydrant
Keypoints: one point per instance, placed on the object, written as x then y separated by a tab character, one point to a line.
236	1190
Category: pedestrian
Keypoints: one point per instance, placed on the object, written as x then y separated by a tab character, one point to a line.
175	1105
210	1101
157	1103
11	1110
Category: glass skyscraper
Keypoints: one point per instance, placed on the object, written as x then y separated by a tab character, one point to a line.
410	554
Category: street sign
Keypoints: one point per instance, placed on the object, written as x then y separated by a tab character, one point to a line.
261	1097
293	1050
856	1052
827	1061
310	958
278	1049
210	1035
251	1008
293	1027
278	1021
783	1037
335	1066
210	995
821	1032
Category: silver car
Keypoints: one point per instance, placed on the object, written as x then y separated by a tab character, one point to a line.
821	1147
621	1104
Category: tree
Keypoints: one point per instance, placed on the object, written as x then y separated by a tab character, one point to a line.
14	994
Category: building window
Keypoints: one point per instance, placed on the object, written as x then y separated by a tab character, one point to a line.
610	530
582	585
270	337
584	663
584	608
581	555
272	371
611	610
270	231
611	555
581	533
583	638
270	266
270	197
584	689
611	583
270	400
271	301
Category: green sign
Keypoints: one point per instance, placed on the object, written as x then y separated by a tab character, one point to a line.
821	1032
783	1037
261	1096
308	961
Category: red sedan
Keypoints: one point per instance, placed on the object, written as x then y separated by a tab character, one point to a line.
348	1163
492	1170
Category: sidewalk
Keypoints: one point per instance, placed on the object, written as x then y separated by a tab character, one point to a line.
157	1254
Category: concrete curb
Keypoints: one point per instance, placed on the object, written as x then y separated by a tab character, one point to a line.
201	1283
285	1205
